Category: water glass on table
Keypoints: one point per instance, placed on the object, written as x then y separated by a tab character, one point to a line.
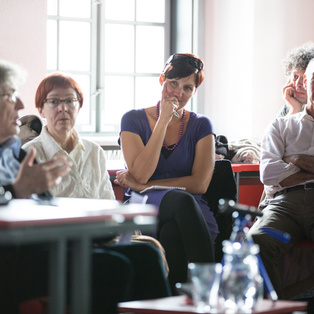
205	278
241	285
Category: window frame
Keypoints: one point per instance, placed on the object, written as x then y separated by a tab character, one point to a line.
97	71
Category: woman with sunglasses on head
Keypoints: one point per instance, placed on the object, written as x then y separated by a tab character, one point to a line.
167	145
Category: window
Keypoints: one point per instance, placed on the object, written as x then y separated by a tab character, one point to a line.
115	49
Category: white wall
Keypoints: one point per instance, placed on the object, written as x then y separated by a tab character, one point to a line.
23	41
245	42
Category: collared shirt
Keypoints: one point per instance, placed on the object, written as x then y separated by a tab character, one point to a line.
284	137
9	165
88	177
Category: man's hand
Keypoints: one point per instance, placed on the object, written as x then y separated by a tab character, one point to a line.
38	178
306	165
126	180
288	91
304	162
290	159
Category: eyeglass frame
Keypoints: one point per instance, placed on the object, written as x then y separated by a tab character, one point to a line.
194	62
75	100
13	97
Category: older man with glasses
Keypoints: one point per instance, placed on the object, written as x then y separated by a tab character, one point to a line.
21	178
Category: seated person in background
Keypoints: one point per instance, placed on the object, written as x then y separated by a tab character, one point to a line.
295	65
119	273
168	145
30	128
287	171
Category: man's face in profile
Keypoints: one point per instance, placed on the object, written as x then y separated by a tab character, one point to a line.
10	105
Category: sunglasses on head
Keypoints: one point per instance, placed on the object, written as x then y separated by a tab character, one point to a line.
181	58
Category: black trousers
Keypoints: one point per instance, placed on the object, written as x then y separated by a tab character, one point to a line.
184	234
120	273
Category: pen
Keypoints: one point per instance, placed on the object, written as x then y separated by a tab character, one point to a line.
278	235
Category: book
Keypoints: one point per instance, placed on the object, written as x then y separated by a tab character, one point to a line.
161	187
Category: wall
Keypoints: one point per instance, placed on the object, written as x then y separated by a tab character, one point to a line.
245	42
23	41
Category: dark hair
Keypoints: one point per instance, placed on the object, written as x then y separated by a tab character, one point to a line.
56	80
298	58
183	65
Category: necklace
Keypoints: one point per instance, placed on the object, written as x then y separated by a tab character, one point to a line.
181	129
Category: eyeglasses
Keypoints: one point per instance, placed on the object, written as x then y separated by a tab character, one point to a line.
55	102
181	58
13	97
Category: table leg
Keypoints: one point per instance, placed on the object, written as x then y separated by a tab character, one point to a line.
237	179
81	273
57	279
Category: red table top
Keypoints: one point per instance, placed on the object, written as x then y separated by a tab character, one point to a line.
244	167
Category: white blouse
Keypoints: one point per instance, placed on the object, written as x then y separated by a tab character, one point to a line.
88	177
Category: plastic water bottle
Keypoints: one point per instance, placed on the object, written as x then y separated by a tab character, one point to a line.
241	284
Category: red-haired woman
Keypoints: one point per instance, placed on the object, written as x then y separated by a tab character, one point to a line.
59	100
122	271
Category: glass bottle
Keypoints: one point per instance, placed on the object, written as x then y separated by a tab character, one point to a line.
241	284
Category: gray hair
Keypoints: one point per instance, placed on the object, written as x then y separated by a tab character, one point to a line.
11	75
298	58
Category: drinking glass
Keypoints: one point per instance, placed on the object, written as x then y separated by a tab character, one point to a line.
205	278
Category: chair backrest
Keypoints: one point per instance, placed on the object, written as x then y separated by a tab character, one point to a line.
222	185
